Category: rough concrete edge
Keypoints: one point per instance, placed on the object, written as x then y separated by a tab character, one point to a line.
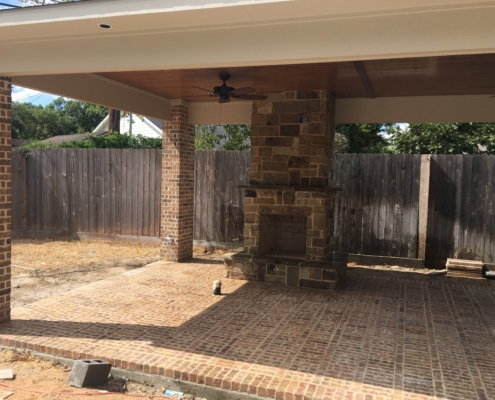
218	245
418	276
413	263
22	233
196	389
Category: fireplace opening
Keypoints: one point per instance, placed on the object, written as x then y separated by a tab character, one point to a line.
282	235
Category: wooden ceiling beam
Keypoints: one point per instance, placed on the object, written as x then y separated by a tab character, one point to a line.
365	79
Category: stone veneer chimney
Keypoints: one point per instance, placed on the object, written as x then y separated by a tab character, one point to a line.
290	188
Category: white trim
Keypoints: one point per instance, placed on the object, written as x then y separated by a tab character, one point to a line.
350	111
99	90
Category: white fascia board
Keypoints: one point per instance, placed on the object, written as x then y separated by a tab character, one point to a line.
213	113
446	32
431	109
439	109
99	90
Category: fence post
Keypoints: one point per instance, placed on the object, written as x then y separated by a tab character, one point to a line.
424	190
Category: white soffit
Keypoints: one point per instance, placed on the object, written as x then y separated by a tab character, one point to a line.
99	90
165	34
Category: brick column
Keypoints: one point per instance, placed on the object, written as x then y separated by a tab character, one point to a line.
5	195
177	195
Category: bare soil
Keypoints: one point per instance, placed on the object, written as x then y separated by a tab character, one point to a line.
49	266
46	267
41	379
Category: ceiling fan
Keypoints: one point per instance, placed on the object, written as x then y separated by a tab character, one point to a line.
226	93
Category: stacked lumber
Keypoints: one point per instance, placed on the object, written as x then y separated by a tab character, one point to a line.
465	268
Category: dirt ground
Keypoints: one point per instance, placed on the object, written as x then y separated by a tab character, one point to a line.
43	379
49	266
45	267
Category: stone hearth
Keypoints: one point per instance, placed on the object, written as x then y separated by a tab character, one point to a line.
289	204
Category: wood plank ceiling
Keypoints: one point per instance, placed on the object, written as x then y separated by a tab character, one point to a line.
430	76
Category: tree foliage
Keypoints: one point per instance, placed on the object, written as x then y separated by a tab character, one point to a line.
467	138
223	137
341	143
364	138
60	117
115	141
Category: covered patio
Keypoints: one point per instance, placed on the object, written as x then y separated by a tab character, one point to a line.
377	338
319	63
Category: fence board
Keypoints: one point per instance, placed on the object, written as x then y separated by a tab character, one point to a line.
118	192
377	211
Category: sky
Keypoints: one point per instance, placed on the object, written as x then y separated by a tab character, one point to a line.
24	95
13	2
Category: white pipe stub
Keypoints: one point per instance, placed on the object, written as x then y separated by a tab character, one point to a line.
217	288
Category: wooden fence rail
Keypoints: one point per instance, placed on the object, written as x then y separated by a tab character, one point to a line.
117	192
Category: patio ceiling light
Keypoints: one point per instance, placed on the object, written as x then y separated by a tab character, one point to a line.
105	26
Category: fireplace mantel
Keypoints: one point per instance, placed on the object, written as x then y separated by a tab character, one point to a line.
291	188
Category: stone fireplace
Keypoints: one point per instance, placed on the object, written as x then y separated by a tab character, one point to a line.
289	204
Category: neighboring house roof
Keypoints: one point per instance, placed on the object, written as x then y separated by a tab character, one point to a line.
157	122
56	140
148	127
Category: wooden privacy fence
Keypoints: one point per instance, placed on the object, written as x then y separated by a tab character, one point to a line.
117	192
390	205
104	191
377	211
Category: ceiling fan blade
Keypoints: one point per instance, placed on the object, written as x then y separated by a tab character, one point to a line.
201	95
242	91
223	100
252	97
204	90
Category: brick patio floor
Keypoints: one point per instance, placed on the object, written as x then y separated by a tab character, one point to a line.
377	338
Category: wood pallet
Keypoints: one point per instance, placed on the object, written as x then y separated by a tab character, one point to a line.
464	268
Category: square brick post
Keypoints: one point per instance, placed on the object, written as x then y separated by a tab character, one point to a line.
177	193
5	194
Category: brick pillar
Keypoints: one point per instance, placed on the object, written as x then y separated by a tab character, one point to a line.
177	196
5	195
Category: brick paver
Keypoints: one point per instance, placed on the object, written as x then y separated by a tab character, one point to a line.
376	338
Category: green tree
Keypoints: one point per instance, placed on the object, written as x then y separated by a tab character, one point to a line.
364	138
223	137
84	116
32	122
469	138
60	117
341	143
